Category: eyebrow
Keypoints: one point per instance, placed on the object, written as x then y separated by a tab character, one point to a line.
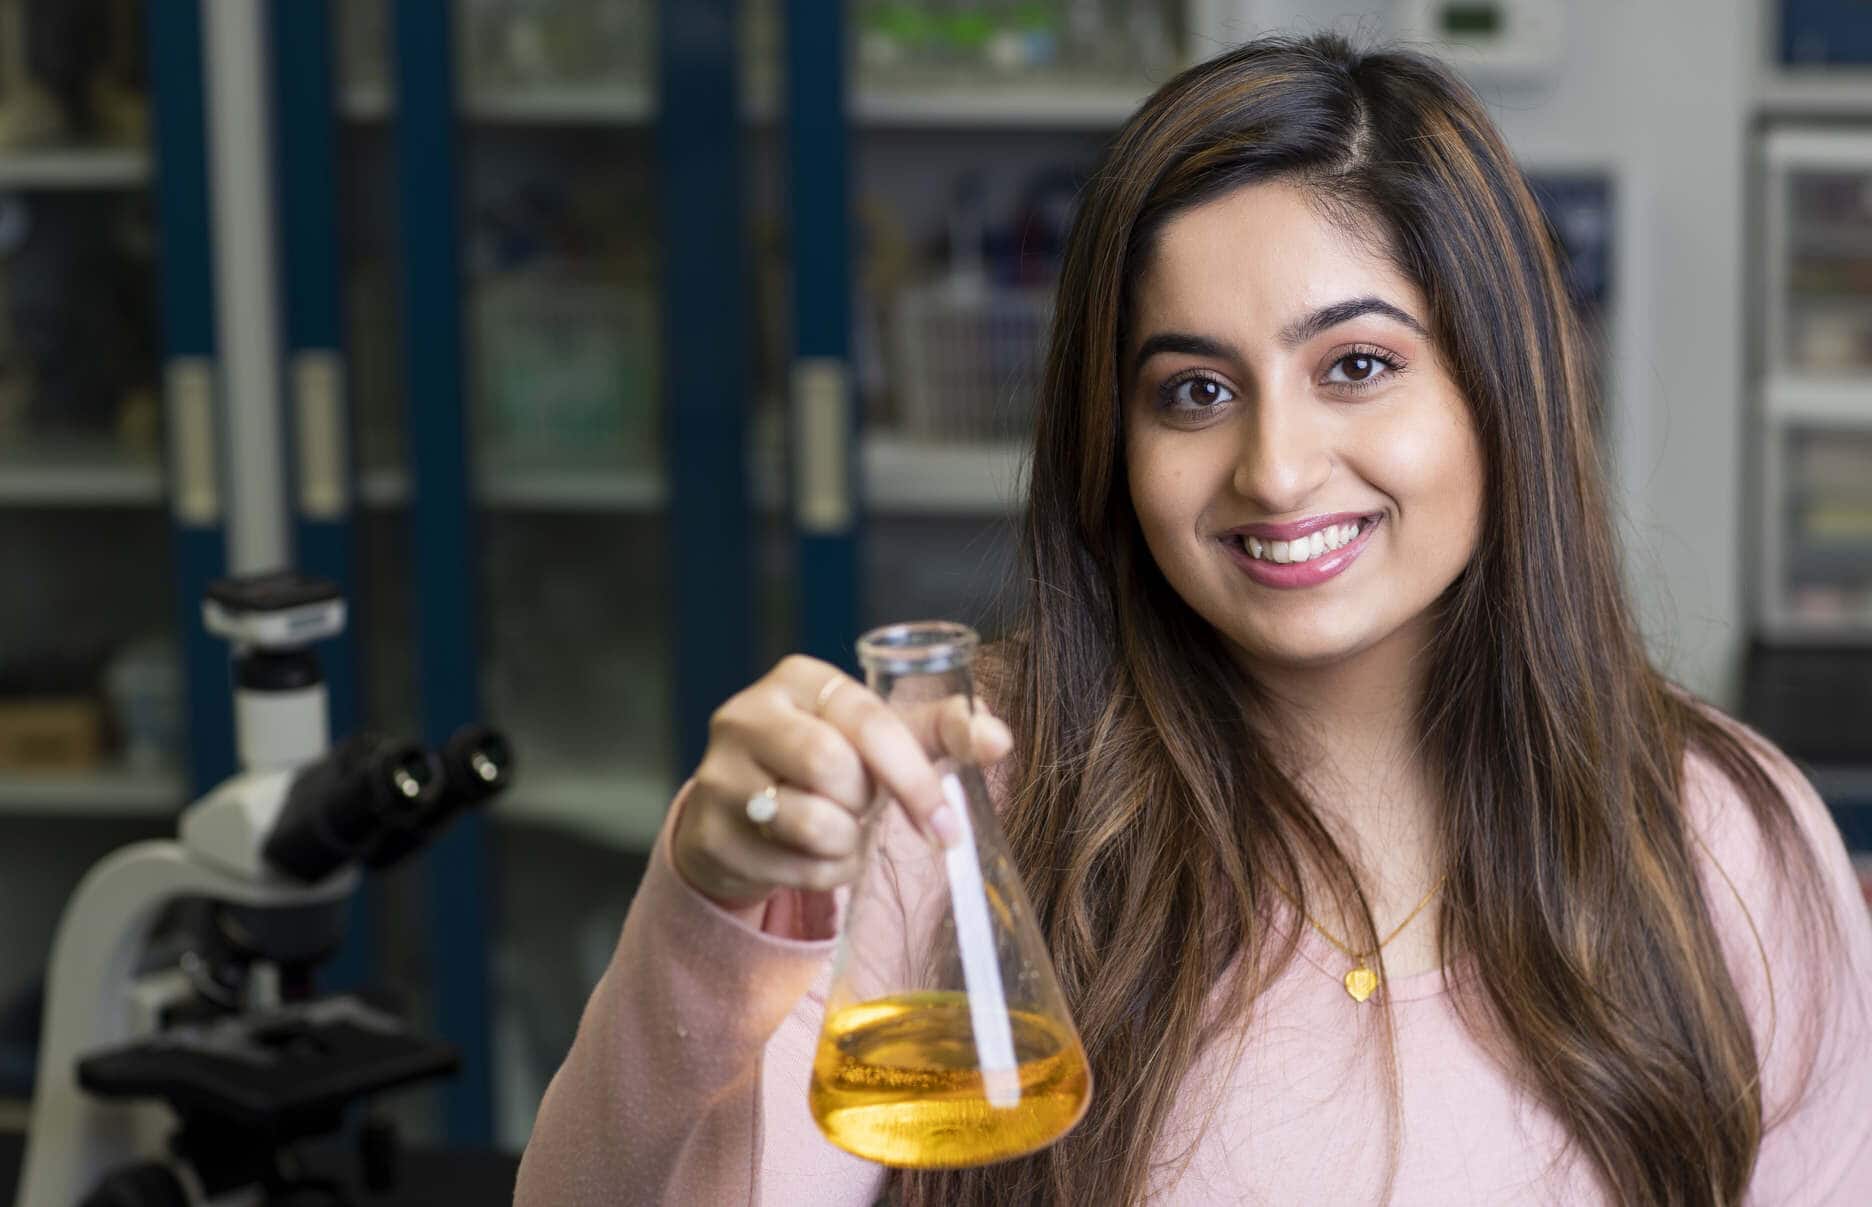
1292	335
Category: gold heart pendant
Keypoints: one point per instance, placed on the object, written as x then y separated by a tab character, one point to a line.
1360	983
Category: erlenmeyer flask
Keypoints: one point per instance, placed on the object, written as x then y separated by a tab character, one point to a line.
946	1040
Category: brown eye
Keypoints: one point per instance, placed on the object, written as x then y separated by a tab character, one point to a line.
1204	392
1196	393
1361	370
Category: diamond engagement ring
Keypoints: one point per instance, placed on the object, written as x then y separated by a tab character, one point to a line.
763	805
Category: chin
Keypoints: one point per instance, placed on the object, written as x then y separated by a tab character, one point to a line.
1299	657
1316	647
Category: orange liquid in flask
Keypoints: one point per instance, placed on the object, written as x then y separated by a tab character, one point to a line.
897	1081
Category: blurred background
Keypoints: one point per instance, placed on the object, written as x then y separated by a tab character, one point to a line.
606	350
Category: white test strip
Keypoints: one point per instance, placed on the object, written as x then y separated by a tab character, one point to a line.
981	971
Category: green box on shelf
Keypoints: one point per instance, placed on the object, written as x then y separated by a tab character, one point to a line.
566	370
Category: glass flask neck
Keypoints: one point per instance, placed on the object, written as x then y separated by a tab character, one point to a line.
921	660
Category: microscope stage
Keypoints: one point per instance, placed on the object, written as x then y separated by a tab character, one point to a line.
286	1071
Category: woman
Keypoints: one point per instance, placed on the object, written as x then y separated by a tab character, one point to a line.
1375	859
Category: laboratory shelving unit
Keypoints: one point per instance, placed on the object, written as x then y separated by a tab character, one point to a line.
61	480
111	521
1815	515
1809	673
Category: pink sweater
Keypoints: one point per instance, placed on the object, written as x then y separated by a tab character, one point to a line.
687	1082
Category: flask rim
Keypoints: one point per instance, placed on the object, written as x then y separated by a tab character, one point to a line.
918	647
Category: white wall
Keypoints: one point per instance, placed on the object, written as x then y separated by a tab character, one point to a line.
1659	92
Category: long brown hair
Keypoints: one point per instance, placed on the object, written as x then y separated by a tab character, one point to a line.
1149	820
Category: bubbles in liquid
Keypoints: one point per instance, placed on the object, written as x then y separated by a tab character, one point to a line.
896	1081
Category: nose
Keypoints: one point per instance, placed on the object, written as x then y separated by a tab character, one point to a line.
1285	456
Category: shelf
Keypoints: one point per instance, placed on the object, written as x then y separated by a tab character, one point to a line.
1829	240
593	104
1843	562
106	792
1815	92
564	104
1842	402
572	489
622	490
1078	106
1832	303
623	808
903	475
75	168
1784	628
77	477
1073	107
900	476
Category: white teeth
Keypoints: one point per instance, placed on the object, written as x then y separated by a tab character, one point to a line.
1304	549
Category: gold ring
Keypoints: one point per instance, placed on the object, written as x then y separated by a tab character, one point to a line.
825	694
763	805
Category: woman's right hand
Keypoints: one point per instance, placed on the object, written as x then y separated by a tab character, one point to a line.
827	744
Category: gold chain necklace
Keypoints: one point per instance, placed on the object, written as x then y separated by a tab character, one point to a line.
1362	982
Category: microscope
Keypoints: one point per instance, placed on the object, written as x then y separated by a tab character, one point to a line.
188	1081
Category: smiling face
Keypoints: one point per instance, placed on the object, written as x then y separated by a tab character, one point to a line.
1281	394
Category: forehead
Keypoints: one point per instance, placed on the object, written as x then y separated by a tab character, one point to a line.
1257	256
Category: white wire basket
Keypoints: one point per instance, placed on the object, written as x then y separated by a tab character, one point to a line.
970	360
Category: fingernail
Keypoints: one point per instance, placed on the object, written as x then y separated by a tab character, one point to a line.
947	828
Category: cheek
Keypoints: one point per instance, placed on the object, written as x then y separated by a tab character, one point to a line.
1433	471
1143	477
1166	493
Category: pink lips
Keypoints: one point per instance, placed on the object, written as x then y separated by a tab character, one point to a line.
1300	528
1309	573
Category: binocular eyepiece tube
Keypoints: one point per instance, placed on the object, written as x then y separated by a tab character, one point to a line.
376	800
477	763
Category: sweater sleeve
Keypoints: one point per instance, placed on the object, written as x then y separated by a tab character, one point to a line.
687	1080
1809	999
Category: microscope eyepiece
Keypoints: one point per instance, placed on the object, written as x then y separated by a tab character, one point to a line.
410	773
476	762
349	800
